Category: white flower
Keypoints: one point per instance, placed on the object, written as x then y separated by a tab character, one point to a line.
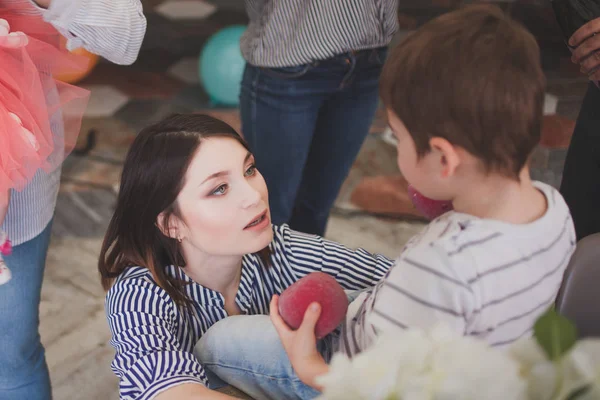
470	369
376	373
557	380
412	365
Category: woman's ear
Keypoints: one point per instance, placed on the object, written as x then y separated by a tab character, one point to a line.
169	226
450	159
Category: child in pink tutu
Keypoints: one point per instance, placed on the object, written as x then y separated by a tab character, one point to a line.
40	118
29	96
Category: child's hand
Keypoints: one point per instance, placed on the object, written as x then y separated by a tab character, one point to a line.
301	344
586	42
11	39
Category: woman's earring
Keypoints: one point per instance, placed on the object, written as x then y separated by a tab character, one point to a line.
179	239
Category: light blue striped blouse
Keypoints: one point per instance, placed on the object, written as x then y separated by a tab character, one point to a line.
154	338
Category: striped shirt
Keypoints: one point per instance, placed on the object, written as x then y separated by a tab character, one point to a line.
154	338
295	32
113	29
484	278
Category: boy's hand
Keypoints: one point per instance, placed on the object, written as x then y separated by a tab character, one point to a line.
301	344
586	42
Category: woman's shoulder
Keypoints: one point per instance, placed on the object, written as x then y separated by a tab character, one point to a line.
133	284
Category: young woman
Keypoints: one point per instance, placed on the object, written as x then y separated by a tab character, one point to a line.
191	244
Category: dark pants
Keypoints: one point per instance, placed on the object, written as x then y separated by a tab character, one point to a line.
581	177
305	126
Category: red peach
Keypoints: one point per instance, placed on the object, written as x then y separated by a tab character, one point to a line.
314	287
430	208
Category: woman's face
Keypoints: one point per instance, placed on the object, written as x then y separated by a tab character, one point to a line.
224	203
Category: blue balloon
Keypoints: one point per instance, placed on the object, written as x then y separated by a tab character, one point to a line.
222	65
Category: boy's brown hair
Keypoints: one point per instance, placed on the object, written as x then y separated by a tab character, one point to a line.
472	76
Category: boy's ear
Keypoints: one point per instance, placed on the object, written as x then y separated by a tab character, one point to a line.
449	156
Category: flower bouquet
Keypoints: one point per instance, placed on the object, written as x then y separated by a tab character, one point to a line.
443	365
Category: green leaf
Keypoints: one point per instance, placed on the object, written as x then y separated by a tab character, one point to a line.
555	334
577	393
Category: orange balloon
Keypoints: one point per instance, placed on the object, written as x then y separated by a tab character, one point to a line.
73	77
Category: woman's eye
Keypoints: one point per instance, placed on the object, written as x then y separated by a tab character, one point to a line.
251	170
219	191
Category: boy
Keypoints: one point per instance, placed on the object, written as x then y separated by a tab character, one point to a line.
464	97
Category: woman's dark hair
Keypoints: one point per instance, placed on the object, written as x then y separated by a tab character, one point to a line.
152	177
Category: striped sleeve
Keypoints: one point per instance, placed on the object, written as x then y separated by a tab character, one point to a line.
353	269
113	29
149	358
421	290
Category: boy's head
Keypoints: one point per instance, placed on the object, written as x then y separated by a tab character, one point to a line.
464	94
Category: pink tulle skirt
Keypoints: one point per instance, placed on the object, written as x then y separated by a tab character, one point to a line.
40	117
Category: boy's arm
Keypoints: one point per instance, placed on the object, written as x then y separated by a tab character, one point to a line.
420	291
113	29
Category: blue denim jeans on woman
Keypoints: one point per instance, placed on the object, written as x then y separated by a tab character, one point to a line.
305	125
23	370
246	352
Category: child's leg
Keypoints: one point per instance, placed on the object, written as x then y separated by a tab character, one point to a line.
245	351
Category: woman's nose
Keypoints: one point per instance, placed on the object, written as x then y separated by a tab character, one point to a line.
251	197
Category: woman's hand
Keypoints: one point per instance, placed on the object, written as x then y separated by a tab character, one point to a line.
301	344
586	52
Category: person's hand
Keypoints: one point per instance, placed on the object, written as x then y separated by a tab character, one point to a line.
586	52
301	344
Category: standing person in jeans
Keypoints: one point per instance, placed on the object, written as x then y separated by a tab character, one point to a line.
581	176
309	94
113	29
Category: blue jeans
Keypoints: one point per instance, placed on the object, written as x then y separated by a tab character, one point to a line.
23	369
245	351
305	126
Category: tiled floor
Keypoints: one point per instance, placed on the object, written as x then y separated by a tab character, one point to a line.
165	80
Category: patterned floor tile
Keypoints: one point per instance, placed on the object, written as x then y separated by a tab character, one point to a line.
189	9
569	107
193	97
140	113
376	157
550	103
104	101
100	170
380	121
186	70
158	60
556	131
565	89
385	195
110	134
230	116
135	83
83	213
